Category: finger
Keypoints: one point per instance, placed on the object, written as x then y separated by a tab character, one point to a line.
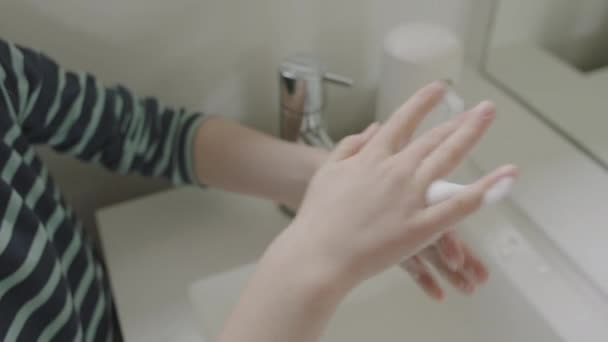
434	220
455	278
452	150
420	148
400	127
423	277
450	250
352	144
370	131
473	266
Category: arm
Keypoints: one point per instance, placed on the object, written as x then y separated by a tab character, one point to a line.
75	114
235	158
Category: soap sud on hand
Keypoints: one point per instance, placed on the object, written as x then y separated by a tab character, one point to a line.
441	190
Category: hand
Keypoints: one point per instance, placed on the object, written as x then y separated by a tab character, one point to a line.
450	257
365	211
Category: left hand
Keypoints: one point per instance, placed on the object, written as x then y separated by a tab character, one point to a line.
451	257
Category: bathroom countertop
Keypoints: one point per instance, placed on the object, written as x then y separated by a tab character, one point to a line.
561	189
572	99
158	246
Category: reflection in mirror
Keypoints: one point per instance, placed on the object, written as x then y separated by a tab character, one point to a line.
552	55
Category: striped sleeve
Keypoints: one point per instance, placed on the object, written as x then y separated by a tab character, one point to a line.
75	114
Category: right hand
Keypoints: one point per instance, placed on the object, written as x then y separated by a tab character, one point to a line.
365	208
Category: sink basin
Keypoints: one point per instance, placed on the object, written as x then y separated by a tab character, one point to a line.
178	260
387	308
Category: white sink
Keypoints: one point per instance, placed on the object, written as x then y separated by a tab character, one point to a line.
178	260
391	308
387	308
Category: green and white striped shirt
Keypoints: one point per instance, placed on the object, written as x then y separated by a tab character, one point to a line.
52	284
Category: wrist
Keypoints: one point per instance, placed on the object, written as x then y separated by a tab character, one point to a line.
303	265
318	156
309	160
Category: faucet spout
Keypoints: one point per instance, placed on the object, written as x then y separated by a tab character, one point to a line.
302	100
319	138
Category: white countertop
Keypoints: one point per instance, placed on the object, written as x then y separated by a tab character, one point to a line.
562	190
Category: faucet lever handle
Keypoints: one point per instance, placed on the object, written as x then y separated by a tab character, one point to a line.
338	79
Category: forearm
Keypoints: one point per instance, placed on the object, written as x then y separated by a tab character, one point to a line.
290	297
235	158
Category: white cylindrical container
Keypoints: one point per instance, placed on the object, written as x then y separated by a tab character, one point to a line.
414	55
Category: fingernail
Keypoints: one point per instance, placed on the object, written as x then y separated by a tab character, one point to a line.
467	287
485	109
470	276
452	258
435	294
451	255
482	276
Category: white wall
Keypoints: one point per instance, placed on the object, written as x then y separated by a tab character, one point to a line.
220	56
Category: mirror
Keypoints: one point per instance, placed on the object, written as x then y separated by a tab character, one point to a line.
552	56
549	61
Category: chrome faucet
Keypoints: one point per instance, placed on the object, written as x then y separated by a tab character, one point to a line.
302	100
